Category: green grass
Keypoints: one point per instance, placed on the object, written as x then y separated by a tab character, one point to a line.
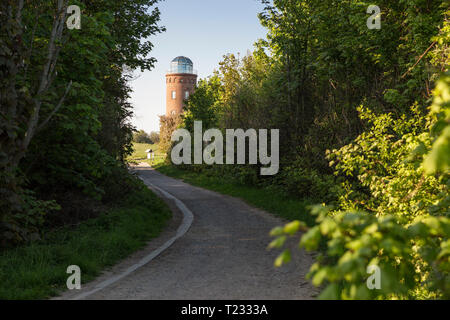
139	154
268	199
38	270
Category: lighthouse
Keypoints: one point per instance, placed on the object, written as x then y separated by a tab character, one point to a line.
180	84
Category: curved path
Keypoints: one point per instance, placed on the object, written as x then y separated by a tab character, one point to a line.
223	255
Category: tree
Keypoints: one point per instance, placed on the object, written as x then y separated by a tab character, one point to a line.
64	118
21	104
142	137
154	136
168	124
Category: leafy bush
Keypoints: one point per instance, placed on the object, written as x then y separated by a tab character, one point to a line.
154	137
300	181
38	270
414	259
142	137
401	173
383	168
168	124
24	225
65	117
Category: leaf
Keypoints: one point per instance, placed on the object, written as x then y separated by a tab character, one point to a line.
310	240
293	227
277	231
320	276
328	226
283	258
331	292
278	242
439	157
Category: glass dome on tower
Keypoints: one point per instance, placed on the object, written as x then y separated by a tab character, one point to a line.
181	65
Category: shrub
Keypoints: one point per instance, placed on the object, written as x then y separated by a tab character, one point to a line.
142	137
401	174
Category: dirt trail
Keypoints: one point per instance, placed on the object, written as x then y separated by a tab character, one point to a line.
223	255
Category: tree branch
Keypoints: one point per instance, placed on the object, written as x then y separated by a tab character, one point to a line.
52	56
58	106
420	58
19	12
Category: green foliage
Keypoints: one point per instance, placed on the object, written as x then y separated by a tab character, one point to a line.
168	124
383	167
142	137
64	118
325	63
438	160
391	162
412	259
407	234
38	270
202	105
319	64
330	83
139	151
26	225
154	136
297	179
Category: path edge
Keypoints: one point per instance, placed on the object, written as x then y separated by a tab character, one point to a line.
188	218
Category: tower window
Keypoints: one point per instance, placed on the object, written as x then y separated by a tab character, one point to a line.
186	95
174	95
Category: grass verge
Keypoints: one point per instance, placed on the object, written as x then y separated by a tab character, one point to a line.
139	154
38	270
267	199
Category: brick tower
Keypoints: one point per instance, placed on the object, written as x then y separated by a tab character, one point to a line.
180	83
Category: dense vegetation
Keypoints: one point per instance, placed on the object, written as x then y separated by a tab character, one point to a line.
364	118
64	118
143	137
364	128
38	270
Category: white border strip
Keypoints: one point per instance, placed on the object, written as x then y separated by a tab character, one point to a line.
188	218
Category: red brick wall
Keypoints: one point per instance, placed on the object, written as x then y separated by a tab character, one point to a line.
180	83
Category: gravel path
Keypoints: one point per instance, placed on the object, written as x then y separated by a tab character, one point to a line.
222	256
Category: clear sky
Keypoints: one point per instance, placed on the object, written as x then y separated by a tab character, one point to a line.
204	31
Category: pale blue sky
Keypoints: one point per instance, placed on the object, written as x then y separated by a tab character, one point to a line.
204	31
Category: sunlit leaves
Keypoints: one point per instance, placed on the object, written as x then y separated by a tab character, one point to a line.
283	258
438	160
